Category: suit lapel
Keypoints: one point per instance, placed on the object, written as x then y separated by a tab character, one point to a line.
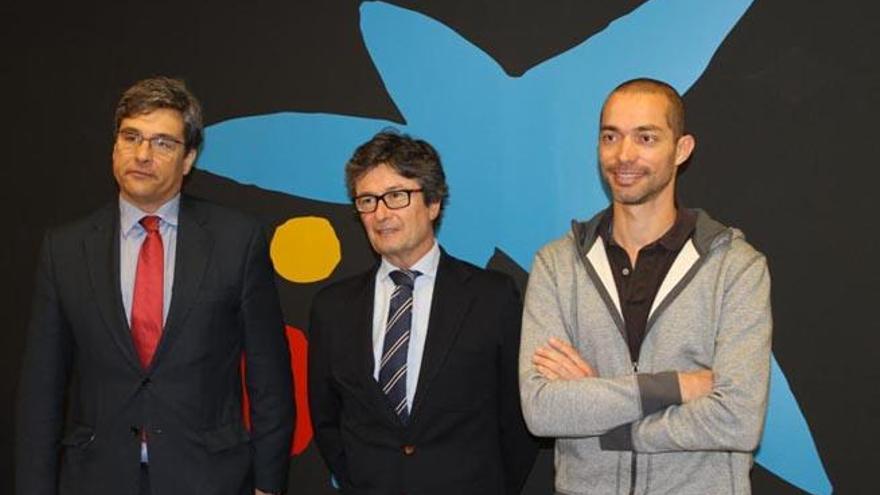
451	302
361	325
194	247
102	258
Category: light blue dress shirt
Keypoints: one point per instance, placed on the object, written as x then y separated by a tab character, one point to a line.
423	292
131	236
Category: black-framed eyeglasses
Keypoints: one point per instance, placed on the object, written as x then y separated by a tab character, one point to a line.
161	144
394	200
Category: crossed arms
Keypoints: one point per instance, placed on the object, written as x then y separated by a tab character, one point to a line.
722	408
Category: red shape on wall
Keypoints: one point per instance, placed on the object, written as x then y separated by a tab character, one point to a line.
302	432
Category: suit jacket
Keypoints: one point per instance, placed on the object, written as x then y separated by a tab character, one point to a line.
466	433
84	396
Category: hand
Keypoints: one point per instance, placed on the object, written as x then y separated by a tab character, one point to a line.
560	361
695	384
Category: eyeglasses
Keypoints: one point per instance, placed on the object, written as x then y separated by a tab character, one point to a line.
394	200
163	145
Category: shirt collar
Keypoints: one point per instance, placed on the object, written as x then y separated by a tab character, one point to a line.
426	266
130	215
681	230
672	240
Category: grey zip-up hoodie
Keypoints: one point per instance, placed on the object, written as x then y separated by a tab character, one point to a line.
626	431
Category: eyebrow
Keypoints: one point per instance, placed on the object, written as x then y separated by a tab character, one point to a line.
160	134
641	128
649	127
396	187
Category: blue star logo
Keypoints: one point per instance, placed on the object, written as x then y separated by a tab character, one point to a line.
519	152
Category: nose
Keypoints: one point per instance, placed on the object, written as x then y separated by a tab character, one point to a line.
627	151
144	151
382	210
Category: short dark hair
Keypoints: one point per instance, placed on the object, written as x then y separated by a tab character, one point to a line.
675	112
159	92
412	158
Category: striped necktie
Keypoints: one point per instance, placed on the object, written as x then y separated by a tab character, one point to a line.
392	369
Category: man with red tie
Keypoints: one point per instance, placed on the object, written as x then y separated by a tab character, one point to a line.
131	381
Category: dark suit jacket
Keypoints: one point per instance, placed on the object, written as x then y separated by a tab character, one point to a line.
466	434
80	360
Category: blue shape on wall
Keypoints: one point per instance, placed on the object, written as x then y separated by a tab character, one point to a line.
519	152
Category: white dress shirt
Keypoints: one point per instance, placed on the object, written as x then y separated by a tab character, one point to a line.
423	292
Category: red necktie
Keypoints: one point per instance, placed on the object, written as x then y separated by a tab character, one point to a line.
146	305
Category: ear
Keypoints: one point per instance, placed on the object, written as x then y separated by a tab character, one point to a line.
434	210
189	160
683	148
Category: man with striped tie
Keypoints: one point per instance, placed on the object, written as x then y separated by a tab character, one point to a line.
412	364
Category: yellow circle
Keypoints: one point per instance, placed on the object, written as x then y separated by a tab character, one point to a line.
305	249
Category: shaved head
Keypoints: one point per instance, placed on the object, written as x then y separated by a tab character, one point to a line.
675	107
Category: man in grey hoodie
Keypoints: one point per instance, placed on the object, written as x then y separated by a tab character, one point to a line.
646	330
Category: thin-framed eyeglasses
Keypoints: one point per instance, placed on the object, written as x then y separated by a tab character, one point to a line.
161	144
394	200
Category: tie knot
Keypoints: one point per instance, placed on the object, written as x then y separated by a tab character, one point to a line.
150	223
405	278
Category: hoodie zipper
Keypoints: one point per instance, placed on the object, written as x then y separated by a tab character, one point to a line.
632	469
580	246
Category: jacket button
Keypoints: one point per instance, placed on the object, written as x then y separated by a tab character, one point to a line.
409	449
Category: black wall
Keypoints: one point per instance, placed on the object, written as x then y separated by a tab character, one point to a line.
785	117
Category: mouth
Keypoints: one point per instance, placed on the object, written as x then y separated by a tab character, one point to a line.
139	175
626	177
385	231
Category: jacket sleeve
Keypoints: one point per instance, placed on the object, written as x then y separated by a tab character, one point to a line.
268	376
44	375
731	417
324	402
575	408
518	447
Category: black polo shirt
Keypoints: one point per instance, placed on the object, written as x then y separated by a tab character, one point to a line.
637	286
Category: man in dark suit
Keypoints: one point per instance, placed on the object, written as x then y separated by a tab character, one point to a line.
141	314
412	364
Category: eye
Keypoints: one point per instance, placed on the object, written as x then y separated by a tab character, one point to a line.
130	137
648	138
607	137
164	143
397	196
365	201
